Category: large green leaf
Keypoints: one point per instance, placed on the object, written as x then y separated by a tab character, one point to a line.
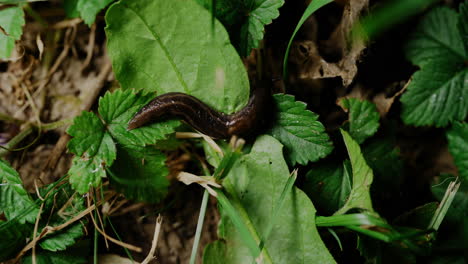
299	130
117	108
245	20
463	25
168	46
363	120
458	146
11	21
255	184
438	93
140	173
359	198
15	201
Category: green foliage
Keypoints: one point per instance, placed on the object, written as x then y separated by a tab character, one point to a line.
453	234
86	9
12	22
150	52
14	236
299	130
362	178
329	185
78	254
69	204
363	120
438	92
245	20
15	201
116	110
458	146
254	186
94	143
140	173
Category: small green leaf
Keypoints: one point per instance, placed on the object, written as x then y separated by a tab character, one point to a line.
436	38
254	186
14	237
69	207
363	120
90	8
299	130
15	201
245	20
12	22
117	108
90	139
95	151
168	46
438	93
86	173
140	173
64	238
362	178
77	254
328	185
458	146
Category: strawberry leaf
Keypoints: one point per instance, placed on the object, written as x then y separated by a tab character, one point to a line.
299	130
363	120
117	108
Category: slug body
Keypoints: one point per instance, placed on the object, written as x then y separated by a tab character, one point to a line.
202	117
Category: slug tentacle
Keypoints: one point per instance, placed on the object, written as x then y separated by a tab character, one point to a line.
202	117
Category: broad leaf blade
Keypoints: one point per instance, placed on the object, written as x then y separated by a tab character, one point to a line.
257	181
168	46
362	178
11	21
463	25
15	201
117	108
363	120
299	130
458	146
140	173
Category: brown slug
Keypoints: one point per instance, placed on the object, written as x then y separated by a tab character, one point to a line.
202	117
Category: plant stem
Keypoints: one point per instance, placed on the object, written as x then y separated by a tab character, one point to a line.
28	130
201	218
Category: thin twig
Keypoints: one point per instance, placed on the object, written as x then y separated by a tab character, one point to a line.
157	230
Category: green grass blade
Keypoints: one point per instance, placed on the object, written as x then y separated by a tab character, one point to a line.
313	6
447	200
201	218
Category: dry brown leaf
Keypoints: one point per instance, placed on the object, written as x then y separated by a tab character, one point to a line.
306	57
